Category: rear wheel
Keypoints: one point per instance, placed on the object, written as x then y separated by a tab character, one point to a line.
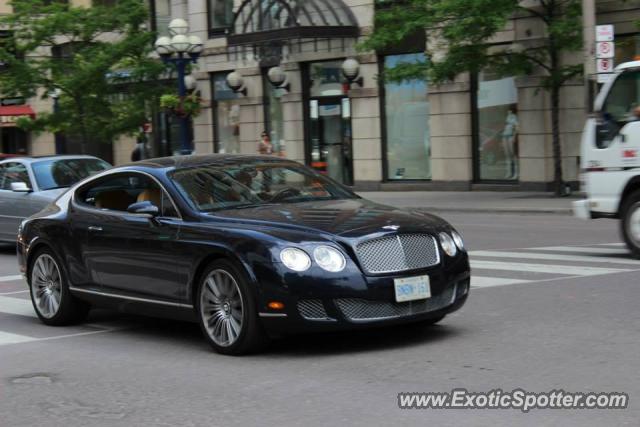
50	293
630	223
227	311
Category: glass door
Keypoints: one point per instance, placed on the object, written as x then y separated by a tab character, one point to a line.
330	138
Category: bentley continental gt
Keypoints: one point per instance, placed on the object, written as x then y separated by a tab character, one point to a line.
250	247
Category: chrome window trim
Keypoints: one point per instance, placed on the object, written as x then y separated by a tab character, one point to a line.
130	298
120	213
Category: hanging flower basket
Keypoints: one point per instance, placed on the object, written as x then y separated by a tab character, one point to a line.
187	106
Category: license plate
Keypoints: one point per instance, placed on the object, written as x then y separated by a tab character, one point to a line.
412	288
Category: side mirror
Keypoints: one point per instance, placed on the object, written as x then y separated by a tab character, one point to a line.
144	208
20	187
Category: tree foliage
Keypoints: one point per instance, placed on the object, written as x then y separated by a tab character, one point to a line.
462	34
464	31
95	59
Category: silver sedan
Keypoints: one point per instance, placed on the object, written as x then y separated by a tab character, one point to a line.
28	184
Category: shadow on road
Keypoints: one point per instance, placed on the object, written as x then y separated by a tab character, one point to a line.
7	249
296	346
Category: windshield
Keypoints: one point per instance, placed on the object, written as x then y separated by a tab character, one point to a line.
64	173
211	188
623	97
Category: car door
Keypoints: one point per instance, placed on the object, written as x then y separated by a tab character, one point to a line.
129	254
15	206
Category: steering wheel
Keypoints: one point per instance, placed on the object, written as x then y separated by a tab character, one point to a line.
285	193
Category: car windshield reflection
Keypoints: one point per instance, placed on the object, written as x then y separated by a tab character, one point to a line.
212	188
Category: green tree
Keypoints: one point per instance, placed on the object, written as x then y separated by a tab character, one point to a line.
96	59
461	31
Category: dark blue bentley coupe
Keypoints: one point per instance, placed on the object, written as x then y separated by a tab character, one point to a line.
249	246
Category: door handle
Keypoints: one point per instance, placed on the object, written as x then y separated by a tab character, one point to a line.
95	228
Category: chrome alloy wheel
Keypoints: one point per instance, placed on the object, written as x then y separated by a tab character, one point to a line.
221	308
46	285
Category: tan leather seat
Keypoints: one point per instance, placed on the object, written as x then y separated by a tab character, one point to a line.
118	200
153	195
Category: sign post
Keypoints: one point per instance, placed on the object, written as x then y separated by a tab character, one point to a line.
605	52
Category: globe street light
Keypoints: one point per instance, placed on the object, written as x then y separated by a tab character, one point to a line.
180	49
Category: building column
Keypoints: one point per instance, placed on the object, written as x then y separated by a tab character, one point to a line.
451	135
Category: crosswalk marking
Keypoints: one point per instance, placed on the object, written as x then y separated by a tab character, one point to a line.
581	249
485	282
544	268
9	338
11	278
526	265
555	257
20	307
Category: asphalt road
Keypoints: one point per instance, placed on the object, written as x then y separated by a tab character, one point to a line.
554	307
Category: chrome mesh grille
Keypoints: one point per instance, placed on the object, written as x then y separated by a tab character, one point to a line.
398	253
358	310
312	309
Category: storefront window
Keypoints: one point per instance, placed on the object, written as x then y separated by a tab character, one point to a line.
406	115
274	118
227	115
220	15
497	128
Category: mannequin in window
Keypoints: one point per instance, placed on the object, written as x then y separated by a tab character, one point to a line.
509	135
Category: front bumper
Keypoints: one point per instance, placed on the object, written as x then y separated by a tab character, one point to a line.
582	209
359	301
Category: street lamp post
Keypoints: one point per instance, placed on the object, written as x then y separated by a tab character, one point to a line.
180	49
55	95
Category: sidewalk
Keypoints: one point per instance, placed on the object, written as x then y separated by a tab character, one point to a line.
476	201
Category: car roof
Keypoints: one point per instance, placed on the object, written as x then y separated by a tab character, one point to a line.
32	159
180	162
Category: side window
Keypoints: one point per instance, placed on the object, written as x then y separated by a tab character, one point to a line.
624	97
118	192
14	172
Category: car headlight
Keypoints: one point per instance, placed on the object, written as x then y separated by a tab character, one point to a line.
329	259
295	259
448	245
457	238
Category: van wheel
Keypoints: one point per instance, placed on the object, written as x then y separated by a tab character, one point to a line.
630	223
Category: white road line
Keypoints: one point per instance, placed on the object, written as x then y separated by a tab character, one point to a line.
487	282
14	292
583	249
11	278
20	307
555	257
542	268
8	338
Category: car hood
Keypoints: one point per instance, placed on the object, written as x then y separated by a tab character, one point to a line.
347	218
52	194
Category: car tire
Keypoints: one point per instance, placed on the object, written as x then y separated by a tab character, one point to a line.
630	223
227	310
50	295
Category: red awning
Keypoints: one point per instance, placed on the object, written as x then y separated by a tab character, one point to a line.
16	110
9	114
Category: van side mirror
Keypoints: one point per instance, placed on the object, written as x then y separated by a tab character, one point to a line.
606	129
20	187
144	208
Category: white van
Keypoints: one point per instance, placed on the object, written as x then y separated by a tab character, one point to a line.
610	156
